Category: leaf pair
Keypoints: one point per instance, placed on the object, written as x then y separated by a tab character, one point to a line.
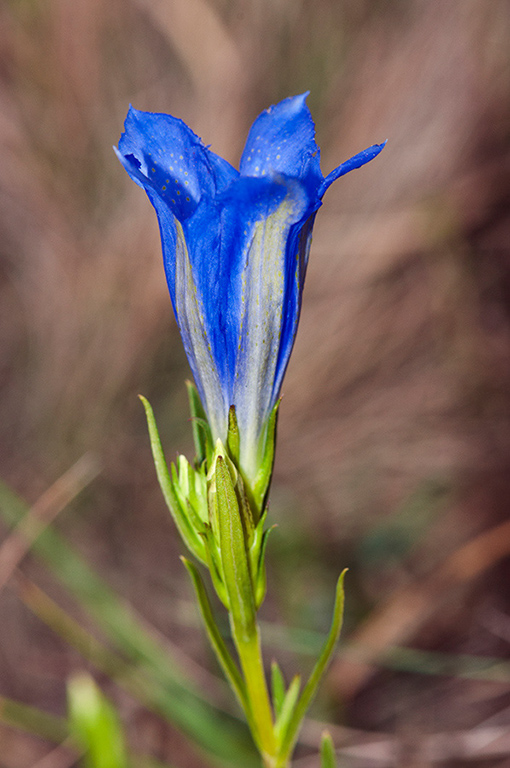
290	707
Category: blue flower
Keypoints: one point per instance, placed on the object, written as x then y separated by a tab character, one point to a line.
235	249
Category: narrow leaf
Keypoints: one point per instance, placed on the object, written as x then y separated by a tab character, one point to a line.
190	537
310	688
277	687
328	757
288	707
220	649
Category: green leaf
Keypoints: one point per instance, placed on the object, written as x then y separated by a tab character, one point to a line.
200	426
95	725
277	687
310	689
328	757
288	707
225	659
233	552
263	478
190	537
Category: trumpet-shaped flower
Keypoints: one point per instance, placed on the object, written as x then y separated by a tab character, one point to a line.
235	249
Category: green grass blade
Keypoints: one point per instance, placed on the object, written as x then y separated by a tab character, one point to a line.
328	757
52	728
32	720
95	724
174	695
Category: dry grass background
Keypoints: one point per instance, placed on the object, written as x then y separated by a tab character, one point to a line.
394	445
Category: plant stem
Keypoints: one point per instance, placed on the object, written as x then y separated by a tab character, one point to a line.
250	656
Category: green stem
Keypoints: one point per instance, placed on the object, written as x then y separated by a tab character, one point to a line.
250	656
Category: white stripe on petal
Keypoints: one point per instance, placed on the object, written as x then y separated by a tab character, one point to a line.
263	287
190	316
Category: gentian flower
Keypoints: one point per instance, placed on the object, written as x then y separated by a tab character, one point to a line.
235	249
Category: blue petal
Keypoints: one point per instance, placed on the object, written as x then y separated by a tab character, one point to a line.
350	165
217	237
235	250
160	152
282	141
298	250
192	320
272	271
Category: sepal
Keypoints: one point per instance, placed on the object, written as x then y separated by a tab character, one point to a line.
201	430
233	438
263	478
232	543
190	487
257	559
215	566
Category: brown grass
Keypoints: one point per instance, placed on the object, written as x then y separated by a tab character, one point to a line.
400	378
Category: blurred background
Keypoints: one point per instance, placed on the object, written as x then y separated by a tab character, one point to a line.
394	439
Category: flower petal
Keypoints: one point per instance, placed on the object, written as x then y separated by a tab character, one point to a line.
235	249
282	141
191	317
161	152
217	238
350	165
271	274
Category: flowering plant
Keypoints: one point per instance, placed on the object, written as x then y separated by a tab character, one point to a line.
235	249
